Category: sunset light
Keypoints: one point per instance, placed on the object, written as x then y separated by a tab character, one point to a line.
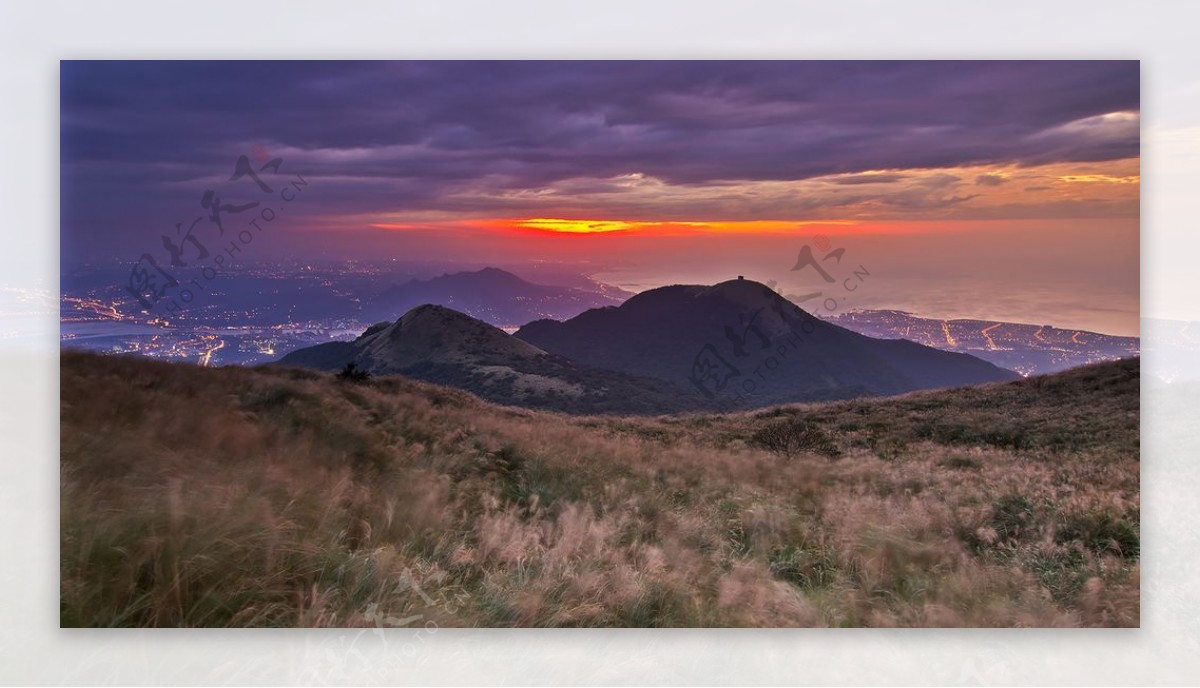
578	226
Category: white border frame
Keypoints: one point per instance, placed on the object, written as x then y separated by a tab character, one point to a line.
35	36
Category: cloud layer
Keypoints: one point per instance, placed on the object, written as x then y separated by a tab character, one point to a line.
660	140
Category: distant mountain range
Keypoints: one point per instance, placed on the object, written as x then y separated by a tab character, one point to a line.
439	345
492	295
1027	349
733	345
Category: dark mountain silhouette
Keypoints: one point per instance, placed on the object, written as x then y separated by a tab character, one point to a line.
440	345
733	345
744	345
492	295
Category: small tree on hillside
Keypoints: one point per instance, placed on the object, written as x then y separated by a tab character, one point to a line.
791	437
352	373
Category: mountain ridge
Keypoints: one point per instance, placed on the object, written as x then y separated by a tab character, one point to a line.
496	296
747	333
748	346
436	344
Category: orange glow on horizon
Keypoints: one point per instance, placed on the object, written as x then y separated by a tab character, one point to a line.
533	228
587	226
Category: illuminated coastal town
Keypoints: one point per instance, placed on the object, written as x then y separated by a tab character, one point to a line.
268	310
1027	349
236	325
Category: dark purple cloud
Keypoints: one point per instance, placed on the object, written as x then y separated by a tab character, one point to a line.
140	140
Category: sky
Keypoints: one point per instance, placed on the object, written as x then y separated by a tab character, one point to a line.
967	189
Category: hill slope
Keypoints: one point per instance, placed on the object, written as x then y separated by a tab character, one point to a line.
440	345
740	342
491	294
282	497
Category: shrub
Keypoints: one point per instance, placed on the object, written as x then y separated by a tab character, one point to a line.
791	437
352	373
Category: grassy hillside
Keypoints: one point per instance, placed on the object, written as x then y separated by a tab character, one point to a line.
215	497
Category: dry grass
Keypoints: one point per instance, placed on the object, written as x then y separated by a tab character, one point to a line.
236	497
